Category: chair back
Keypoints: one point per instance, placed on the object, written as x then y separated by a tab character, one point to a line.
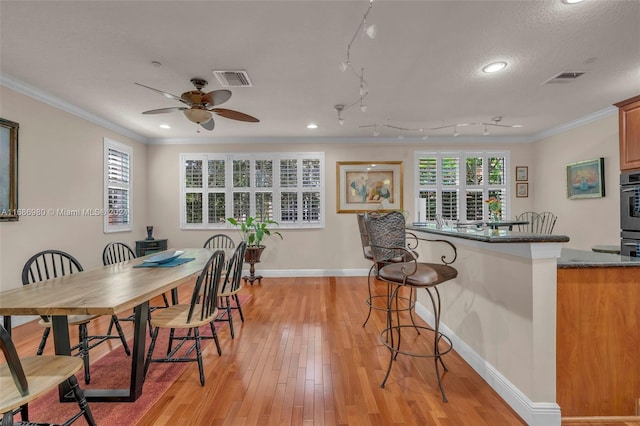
205	292
49	264
13	362
233	275
548	221
364	236
539	223
387	237
116	252
219	241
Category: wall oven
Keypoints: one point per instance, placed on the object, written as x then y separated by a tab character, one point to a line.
630	213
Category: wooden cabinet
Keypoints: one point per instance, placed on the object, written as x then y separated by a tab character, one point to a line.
145	247
629	118
598	342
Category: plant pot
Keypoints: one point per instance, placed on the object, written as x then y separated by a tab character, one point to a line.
252	256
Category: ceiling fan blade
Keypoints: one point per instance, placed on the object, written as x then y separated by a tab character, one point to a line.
216	97
168	95
208	125
234	115
164	110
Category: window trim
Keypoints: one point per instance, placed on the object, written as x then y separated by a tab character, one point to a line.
462	186
126	149
229	190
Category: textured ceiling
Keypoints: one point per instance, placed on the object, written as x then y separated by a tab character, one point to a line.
423	68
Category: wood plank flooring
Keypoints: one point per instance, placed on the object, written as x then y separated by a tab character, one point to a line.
302	357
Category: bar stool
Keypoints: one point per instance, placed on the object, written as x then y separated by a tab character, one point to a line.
385	245
379	302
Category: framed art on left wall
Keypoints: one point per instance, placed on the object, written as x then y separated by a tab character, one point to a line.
8	170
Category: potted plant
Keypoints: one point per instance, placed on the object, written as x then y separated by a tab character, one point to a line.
254	231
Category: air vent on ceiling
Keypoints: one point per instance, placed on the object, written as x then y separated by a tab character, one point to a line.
233	78
564	77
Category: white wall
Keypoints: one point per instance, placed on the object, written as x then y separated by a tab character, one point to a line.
60	166
587	222
337	246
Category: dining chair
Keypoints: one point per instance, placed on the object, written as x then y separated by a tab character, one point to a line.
201	311
116	252
387	242
24	380
50	264
219	241
539	223
230	286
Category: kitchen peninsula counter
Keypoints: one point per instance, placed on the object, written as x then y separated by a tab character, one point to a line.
487	235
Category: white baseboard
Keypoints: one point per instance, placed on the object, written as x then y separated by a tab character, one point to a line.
533	413
314	273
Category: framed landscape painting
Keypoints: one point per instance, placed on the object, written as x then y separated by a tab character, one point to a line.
368	185
8	170
585	179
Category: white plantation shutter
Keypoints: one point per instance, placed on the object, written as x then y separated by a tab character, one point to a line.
285	187
455	185
117	186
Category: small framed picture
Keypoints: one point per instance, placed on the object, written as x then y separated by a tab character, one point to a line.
522	190
522	173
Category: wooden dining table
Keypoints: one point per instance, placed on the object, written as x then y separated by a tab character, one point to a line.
105	290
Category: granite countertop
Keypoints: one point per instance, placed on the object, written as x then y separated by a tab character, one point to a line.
472	232
572	258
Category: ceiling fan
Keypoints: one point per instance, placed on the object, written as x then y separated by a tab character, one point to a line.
200	106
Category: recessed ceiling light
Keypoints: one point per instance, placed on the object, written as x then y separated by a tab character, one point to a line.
494	67
165	126
571	1
312	126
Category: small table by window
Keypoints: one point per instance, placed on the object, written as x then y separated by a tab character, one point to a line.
145	247
606	249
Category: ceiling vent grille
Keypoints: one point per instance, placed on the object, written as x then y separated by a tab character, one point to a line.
564	77
233	78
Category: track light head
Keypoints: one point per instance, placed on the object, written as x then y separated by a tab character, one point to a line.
344	66
371	31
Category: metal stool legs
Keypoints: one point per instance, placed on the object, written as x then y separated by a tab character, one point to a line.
391	337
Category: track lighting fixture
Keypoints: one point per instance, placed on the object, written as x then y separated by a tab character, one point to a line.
455	131
376	132
495	122
339	108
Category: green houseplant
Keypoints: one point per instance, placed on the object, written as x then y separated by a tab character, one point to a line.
254	231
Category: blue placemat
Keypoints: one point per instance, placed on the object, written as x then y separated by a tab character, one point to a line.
174	262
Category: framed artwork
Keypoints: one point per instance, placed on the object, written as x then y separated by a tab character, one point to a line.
585	179
522	190
368	185
8	170
522	173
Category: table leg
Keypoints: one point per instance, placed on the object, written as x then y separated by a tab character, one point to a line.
62	346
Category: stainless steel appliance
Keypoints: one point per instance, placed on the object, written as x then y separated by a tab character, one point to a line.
630	213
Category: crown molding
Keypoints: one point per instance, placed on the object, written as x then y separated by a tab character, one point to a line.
39	95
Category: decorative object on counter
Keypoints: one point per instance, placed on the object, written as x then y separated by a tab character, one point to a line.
585	179
368	185
522	190
522	173
495	208
8	170
253	231
149	232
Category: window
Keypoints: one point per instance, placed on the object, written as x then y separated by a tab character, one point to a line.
285	187
117	186
455	185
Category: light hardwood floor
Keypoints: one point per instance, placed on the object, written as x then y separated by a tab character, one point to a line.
302	357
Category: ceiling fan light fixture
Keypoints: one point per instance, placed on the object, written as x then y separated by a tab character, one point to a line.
494	67
197	115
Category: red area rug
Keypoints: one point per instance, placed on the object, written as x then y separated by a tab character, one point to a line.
112	371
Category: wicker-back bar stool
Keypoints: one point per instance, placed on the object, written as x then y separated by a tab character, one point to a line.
385	246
